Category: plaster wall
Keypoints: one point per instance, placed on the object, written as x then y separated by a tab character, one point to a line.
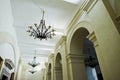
116	6
19	72
7	31
108	38
35	76
6	49
62	49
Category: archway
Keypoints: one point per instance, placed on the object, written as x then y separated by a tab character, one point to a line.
58	67
78	68
7	41
7	54
49	72
12	76
91	61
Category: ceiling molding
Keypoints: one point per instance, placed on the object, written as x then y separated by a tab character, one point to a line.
35	43
28	54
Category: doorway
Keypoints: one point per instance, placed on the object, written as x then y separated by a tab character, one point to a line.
49	72
58	67
91	61
4	77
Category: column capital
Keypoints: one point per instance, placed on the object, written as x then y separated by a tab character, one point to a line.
75	58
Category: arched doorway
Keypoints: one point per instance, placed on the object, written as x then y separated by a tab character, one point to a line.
8	48
91	61
49	72
12	76
77	57
58	67
7	54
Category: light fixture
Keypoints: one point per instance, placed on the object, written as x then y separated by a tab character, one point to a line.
34	63
32	71
41	31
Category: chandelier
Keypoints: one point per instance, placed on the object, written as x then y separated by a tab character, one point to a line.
34	63
41	31
32	71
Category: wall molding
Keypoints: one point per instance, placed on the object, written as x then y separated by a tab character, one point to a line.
87	6
93	38
60	42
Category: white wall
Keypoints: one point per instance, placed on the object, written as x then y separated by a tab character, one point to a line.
6	17
6	51
7	31
19	72
35	76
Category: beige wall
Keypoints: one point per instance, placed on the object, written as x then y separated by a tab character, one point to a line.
62	49
97	20
7	31
102	32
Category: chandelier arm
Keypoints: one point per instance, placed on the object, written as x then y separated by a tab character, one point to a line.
49	32
38	30
46	31
35	31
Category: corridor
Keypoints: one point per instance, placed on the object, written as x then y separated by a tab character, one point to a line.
59	39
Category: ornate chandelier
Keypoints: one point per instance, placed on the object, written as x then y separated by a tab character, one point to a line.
34	63
41	31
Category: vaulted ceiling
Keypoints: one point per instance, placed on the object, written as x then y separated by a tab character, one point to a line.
58	14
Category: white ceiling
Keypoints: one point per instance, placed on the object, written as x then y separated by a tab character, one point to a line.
58	14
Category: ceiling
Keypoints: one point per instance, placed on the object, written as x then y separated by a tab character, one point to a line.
58	14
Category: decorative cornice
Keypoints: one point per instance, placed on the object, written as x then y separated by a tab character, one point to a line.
87	6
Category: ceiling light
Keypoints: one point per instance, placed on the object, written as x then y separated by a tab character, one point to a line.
41	31
73	1
34	63
32	71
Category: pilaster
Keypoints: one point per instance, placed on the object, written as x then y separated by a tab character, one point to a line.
76	67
